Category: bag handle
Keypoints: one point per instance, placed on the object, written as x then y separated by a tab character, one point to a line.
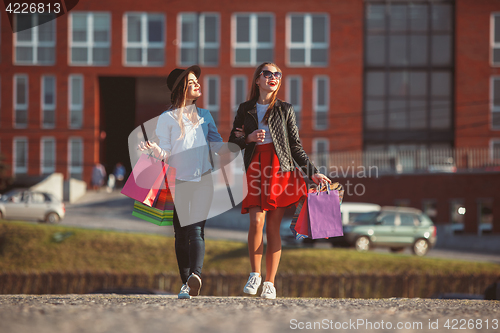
223	174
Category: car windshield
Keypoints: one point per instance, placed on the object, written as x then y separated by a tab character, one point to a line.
365	218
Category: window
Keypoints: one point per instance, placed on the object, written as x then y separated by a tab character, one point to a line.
485	215
75	158
321	151
75	101
495	39
48	155
294	95
429	207
495	102
308	39
495	149
457	211
253	39
408	220
48	101
198	37
408	71
20	159
389	219
145	39
35	46
89	38
20	101
321	102
238	96
212	96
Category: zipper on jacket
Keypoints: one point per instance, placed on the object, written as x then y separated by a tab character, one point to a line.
257	122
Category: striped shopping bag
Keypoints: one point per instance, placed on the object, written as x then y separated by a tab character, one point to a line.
154	215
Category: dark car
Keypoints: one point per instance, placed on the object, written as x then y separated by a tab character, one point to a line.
396	228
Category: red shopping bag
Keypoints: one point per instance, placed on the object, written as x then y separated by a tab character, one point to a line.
302	224
146	179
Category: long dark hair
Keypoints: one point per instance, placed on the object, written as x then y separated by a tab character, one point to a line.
178	99
255	92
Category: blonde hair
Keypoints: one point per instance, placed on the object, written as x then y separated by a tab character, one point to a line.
255	92
178	99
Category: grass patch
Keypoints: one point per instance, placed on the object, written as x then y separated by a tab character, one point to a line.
34	247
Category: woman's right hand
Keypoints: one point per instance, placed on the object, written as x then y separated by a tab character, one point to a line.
148	145
256	136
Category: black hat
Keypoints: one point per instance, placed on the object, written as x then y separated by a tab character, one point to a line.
178	74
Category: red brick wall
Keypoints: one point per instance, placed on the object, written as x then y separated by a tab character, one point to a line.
473	72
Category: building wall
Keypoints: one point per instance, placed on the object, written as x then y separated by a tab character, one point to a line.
412	190
344	69
473	72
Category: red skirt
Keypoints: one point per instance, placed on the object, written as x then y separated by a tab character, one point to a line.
269	187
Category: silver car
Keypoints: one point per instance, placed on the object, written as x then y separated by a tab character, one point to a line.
31	205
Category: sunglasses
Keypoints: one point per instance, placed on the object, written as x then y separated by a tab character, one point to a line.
268	74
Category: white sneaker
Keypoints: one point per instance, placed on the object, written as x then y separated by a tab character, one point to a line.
253	284
268	291
194	283
184	293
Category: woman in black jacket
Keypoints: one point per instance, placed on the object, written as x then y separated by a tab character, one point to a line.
265	127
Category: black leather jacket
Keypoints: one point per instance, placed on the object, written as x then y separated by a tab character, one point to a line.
284	133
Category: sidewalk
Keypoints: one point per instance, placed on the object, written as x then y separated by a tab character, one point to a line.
151	314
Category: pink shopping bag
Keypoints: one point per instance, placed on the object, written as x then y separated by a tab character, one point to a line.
324	214
146	179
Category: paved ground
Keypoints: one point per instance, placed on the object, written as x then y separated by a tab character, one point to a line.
123	314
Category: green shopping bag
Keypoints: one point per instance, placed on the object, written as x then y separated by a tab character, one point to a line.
152	214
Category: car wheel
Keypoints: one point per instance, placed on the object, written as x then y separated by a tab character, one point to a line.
362	244
420	247
397	249
52	218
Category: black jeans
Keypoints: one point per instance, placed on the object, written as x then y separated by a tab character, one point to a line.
192	201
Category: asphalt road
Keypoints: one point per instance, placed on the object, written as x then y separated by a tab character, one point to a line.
112	211
140	313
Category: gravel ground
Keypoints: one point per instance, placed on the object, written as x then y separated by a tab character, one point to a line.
140	313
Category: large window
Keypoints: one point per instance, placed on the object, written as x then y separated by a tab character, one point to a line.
20	158
90	38
252	38
20	101
47	155
48	101
34	46
307	39
144	39
198	36
294	95
212	96
239	92
409	72
495	39
75	158
495	102
321	102
75	101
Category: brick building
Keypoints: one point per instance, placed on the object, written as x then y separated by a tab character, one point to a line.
372	76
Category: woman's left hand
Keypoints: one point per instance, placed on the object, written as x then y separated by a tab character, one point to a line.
239	132
320	178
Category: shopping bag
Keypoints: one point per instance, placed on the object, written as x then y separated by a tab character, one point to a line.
324	214
152	214
298	220
146	179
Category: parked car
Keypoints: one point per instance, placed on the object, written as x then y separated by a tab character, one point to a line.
393	227
31	205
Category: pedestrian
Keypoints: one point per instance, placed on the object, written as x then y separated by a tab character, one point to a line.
119	172
183	132
98	175
266	128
